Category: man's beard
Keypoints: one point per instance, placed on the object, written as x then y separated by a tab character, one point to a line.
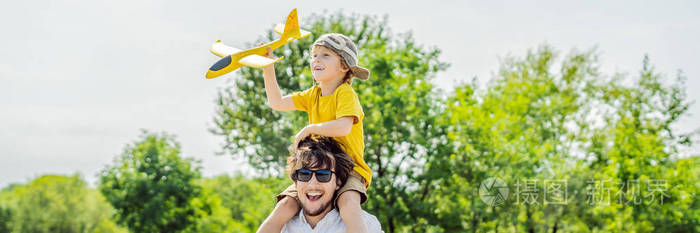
324	206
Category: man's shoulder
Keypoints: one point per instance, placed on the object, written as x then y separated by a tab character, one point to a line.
372	222
367	216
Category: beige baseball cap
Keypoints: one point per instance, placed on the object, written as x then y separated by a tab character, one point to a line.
343	46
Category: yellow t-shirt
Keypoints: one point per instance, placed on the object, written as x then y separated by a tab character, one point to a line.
343	102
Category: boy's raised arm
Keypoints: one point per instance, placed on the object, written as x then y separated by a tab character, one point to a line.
274	95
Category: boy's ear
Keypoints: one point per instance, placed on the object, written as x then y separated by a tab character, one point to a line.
345	67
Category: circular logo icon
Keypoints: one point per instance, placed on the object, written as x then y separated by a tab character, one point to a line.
493	191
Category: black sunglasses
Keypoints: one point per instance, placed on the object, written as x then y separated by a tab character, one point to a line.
323	175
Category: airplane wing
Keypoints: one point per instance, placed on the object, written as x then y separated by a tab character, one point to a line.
222	50
279	29
226	64
258	61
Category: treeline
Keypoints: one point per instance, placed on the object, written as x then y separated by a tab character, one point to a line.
54	203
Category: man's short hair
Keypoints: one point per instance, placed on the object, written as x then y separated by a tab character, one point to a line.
316	152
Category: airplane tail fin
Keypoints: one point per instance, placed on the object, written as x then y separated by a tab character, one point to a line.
291	26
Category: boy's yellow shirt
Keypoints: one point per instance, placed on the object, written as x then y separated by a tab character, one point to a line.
343	102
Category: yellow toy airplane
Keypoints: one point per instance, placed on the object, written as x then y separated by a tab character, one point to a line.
232	58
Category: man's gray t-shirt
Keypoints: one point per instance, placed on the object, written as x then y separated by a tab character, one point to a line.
331	223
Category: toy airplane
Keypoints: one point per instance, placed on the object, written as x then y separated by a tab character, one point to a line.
232	58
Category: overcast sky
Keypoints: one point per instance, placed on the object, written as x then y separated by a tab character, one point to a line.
80	79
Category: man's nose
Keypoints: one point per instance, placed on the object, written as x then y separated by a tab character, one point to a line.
313	180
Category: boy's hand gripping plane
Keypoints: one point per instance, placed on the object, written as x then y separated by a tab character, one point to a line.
233	58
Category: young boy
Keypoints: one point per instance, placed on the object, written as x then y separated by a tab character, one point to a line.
334	111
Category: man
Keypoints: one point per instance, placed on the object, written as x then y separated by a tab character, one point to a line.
319	167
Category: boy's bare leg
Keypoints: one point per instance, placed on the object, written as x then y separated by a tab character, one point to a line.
283	212
351	212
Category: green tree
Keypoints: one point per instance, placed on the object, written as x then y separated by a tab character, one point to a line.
639	145
5	217
55	204
210	215
7	205
400	103
248	201
535	122
151	186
